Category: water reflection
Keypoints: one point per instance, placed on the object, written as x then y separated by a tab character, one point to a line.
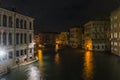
56	47
40	57
88	66
57	58
33	73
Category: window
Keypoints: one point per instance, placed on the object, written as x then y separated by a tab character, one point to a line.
10	21
30	25
17	38
115	35
4	20
115	25
30	50
21	24
17	23
17	54
111	35
30	38
25	25
25	38
21	52
10	55
4	39
115	43
21	38
10	39
111	43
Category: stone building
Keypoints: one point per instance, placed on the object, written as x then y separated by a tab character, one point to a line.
63	38
96	35
75	38
115	31
16	39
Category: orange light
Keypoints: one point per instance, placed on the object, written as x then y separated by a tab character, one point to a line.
88	66
57	58
40	56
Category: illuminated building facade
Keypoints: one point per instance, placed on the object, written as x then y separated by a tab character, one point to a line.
48	38
16	38
75	39
63	38
96	35
115	31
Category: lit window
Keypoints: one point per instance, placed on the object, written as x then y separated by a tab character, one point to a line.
111	43
115	43
115	17
115	25
115	35
4	20
111	35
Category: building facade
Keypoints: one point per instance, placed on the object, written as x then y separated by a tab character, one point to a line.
16	39
75	38
48	38
96	35
63	38
115	31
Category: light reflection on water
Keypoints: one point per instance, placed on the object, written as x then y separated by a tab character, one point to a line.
33	73
40	57
88	71
57	58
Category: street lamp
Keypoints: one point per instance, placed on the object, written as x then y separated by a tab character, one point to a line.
2	53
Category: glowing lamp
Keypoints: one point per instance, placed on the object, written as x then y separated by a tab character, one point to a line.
2	53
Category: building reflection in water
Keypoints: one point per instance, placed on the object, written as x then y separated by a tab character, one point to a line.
88	71
40	57
57	58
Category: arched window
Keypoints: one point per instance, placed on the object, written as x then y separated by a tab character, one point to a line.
10	21
4	20
30	38
30	25
21	38
10	39
25	38
17	38
21	24
4	39
17	23
25	25
17	54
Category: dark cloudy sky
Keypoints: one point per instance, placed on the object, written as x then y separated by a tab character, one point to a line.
59	15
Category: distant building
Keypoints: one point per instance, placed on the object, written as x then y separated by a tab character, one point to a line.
115	31
96	35
75	38
16	39
48	38
63	38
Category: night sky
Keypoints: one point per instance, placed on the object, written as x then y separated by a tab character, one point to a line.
60	15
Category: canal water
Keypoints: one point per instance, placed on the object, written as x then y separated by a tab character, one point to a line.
69	65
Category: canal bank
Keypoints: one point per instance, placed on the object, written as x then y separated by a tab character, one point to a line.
6	72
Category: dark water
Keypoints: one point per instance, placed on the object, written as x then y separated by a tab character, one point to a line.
70	65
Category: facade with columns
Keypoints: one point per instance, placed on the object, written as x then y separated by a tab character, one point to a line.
115	31
16	39
96	35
